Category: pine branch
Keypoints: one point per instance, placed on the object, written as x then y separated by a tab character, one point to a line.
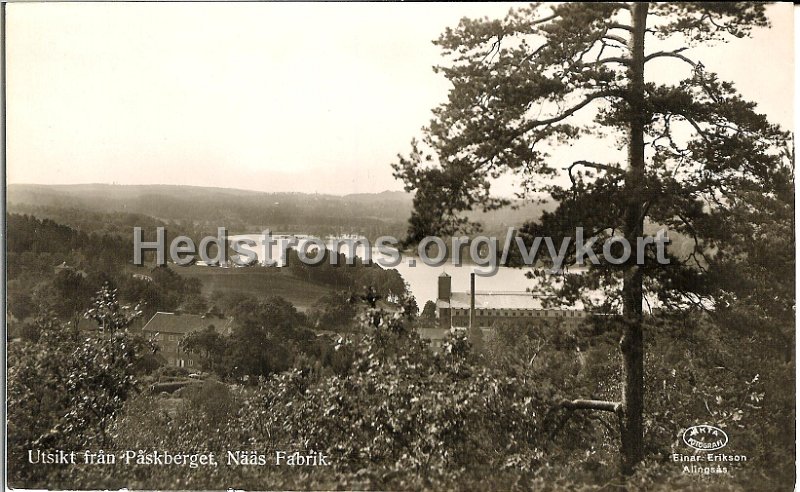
671	54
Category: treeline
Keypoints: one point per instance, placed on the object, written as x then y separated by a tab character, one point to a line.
34	236
53	268
342	276
238	210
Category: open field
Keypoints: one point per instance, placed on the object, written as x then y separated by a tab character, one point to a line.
257	281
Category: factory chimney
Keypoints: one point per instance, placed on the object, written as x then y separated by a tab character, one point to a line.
471	300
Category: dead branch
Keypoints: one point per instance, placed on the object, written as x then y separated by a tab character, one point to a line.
603	405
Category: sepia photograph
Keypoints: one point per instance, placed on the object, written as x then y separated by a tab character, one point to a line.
391	246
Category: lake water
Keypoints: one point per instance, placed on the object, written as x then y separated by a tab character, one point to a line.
422	278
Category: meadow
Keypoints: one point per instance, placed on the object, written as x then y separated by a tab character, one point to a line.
257	281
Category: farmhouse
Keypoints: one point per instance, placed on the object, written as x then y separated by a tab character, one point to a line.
169	329
64	267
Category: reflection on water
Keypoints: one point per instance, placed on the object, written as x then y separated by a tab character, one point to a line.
421	278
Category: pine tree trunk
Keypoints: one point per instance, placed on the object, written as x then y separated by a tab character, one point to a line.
632	432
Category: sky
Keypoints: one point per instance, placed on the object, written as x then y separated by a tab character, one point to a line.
315	98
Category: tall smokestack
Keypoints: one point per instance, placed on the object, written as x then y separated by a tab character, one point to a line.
471	299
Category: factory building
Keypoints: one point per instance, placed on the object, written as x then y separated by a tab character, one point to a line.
490	310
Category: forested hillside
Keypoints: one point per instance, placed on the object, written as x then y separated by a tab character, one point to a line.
196	208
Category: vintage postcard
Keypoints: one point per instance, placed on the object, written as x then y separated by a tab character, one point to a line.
389	246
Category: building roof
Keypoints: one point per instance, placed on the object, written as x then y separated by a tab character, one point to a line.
63	266
496	300
502	300
185	323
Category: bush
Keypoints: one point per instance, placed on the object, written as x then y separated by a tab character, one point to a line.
170	372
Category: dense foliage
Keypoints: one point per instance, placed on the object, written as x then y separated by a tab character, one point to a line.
65	389
268	336
397	415
687	152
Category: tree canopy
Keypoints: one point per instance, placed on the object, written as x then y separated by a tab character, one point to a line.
576	76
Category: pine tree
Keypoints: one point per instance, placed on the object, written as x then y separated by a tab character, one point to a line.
550	76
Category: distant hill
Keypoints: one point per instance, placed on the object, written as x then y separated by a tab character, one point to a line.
370	214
